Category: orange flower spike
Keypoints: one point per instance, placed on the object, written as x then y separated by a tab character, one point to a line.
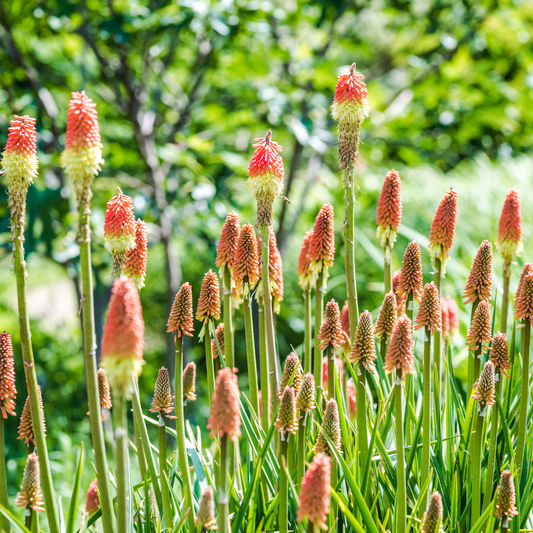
509	243
443	229
275	271
429	313
123	337
93	501
524	304
363	347
162	402
181	315
480	331
479	283
265	176
136	259
396	278
506	498
189	382
246	271
389	211
349	109
30	495
227	245
526	269
400	353
25	428
225	416
315	492
82	157
499	353
387	316
410	279
484	387
331	333
287	421
218	336
321	250
305	276
208	308
8	389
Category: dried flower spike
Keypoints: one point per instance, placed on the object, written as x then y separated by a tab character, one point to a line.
484	387
526	269
119	228
524	304
321	250
205	519
93	501
136	259
275	271
480	331
479	284
8	389
82	158
389	212
387	316
291	370
305	276
208	308
225	416
331	333
314	494
352	398
506	499
400	353
349	109
265	176
218	337
189	382
162	402
30	495
181	315
305	401
227	245
246	265
443	229
331	428
25	429
429	313
410	279
509	243
450	317
363	347
432	519
499	353
287	421
123	338
20	164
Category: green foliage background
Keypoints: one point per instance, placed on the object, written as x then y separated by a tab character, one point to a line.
183	87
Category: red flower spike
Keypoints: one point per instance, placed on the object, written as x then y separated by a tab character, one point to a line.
331	333
265	176
410	280
136	259
387	316
123	337
208	308
275	270
480	331
400	353
321	251
443	229
499	353
526	269
510	228
524	304
225	412
30	495
450	317
246	269
479	284
181	315
305	276
8	389
314	494
389	212
227	245
363	347
93	501
429	313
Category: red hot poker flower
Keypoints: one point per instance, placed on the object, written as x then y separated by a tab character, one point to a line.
225	412
246	271
480	331
400	353
227	245
510	228
8	389
314	494
208	308
136	259
181	315
410	280
387	316
524	305
275	270
396	279
218	337
305	276
526	269
429	313
331	333
443	229
479	284
30	493
506	499
321	251
389	212
363	347
484	388
499	353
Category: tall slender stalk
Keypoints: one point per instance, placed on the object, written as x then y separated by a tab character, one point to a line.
409	382
437	354
301	449
4	522
400	460
471	357
283	485
140	449
223	489
180	430
264	374
426	423
505	299
319	317
165	494
308	330
122	476
387	269
31	380
476	467
334	507
89	352
229	348
269	316
524	398
362	431
250	352
489	483
210	365
331	370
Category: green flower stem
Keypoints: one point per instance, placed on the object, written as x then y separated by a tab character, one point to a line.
28	517
311	527
229	348
165	494
180	430
426	423
121	441
31	380
387	268
308	333
301	448
437	354
400	462
349	250
250	352
140	450
4	522
524	398
89	352
319	317
210	366
263	362
331	370
269	317
471	377
409	383
505	299
362	431
283	485
223	488
476	468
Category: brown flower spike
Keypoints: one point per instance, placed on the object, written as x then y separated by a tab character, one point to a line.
162	402
8	390
331	333
321	251
291	370
305	401
509	243
208	308
30	495
225	416
432	519
389	212
227	245
287	421
479	284
330	427
387	316
442	229
400	353
363	347
246	270
480	331
205	519
506	499
410	279
189	382
181	314
25	427
484	387
524	304
429	313
499	353
219	336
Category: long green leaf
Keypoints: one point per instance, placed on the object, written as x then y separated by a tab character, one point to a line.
71	520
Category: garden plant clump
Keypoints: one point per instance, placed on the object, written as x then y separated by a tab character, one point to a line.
367	427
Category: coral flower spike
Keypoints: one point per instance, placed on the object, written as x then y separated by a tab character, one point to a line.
524	304
429	313
93	501
363	347
265	176
321	250
275	271
246	264
509	243
208	308
8	389
387	316
225	416
410	279
443	229
181	315
82	158
136	259
389	212
479	283
227	245
499	353
400	353
305	277
331	333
